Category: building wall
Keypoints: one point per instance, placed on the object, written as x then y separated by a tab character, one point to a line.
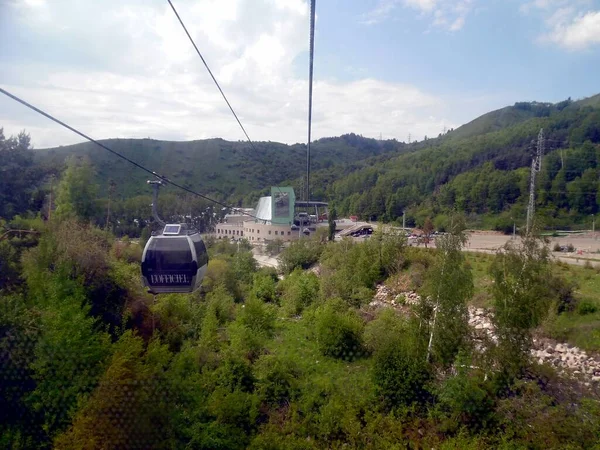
229	230
260	232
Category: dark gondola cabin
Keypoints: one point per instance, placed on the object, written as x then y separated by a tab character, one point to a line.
174	261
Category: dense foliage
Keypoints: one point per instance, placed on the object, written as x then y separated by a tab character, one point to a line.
90	360
482	169
251	361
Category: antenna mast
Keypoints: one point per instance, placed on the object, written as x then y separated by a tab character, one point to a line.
536	166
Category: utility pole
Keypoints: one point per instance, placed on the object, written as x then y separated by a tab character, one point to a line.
111	189
50	199
409	138
536	166
403	220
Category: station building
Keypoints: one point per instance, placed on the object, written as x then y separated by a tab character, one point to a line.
274	217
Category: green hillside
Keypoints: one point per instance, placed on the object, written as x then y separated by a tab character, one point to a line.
482	169
229	170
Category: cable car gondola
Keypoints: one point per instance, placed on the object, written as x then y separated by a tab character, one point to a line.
175	260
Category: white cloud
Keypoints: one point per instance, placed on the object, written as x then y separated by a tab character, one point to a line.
570	24
449	15
144	79
579	33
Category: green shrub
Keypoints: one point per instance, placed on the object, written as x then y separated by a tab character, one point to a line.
586	307
339	333
278	379
401	373
298	290
386	328
263	287
258	316
467	399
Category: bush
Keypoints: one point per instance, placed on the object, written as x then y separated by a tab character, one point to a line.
300	254
467	399
563	291
298	290
263	287
339	333
401	373
586	307
386	328
278	380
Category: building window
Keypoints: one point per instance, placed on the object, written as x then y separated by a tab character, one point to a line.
275	232
257	231
289	233
269	231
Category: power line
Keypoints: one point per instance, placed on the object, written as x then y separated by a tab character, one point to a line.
216	83
130	161
211	74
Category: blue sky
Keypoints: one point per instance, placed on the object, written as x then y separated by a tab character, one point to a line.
123	68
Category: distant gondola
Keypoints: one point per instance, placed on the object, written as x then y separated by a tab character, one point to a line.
174	261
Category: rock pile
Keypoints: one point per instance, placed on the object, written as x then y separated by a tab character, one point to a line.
385	297
480	320
565	358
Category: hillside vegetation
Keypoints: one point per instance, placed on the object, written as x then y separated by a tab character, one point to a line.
229	170
90	360
482	169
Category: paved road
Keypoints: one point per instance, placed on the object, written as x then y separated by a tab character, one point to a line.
587	245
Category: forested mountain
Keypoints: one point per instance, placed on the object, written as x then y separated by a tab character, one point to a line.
229	170
482	169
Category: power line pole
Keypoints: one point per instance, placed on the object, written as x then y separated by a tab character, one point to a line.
50	199
111	189
409	138
536	166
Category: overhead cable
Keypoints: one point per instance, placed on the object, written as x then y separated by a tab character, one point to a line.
210	72
130	161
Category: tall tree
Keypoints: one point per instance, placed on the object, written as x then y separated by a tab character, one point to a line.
331	222
76	192
521	274
19	177
449	287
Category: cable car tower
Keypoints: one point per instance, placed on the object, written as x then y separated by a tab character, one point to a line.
536	166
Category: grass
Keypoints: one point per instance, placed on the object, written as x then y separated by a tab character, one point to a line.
580	327
480	265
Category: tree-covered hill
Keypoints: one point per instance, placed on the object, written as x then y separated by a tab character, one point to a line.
227	169
483	169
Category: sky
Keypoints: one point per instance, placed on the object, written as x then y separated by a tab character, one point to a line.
383	68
